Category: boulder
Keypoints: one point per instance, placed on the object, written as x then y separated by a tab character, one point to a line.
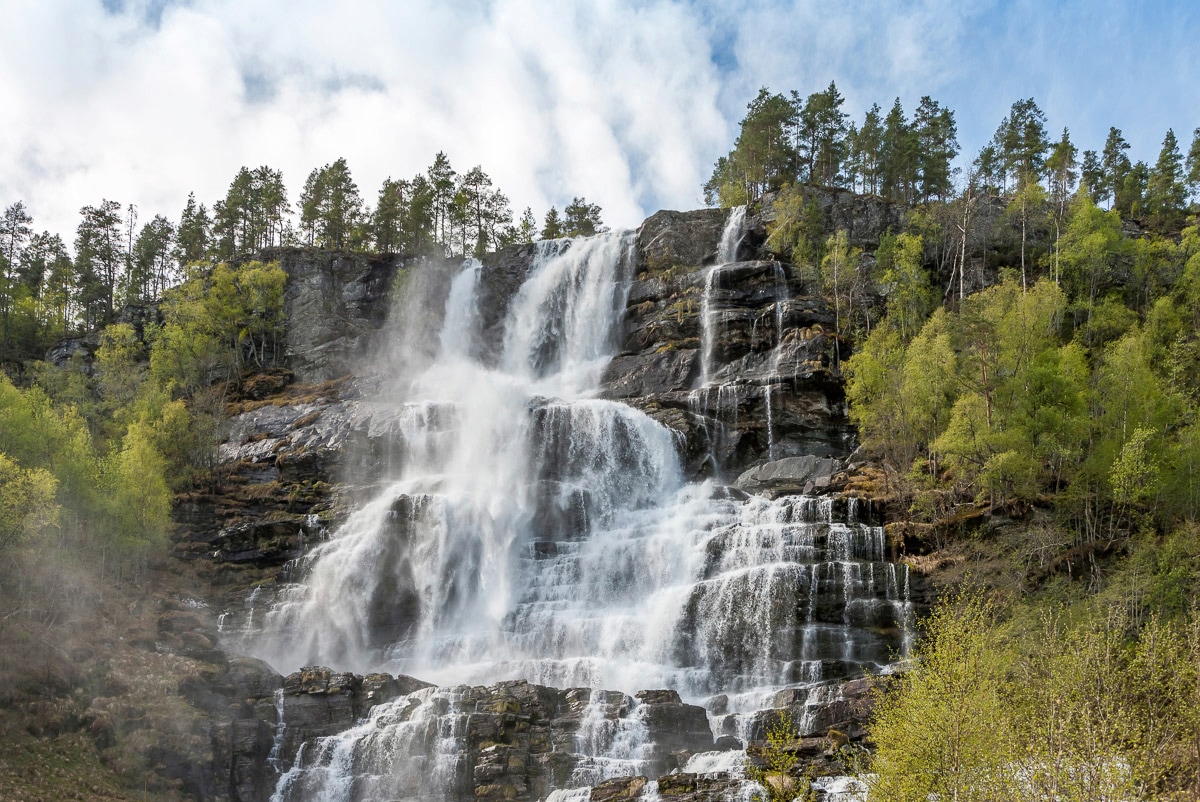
790	475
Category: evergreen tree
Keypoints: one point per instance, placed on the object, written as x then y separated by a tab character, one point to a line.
936	137
820	136
1192	177
14	232
389	223
486	212
898	156
867	150
1091	177
762	158
331	209
989	169
1166	194
99	256
552	228
526	230
440	176
1130	197
1023	143
192	234
1114	164
582	219
150	266
1062	168
48	273
420	219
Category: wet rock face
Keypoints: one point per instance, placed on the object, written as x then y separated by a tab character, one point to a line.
733	357
333	301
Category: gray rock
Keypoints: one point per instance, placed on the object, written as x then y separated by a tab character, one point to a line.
670	239
636	375
333	302
789	475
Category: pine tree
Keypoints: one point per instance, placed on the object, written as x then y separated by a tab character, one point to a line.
552	228
1091	176
331	209
441	185
936	137
1166	194
99	256
526	230
1114	164
14	232
582	219
869	149
1192	178
1025	141
389	224
898	156
1061	166
192	234
820	136
150	263
762	158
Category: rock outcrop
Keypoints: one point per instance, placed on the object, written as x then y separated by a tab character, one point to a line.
333	303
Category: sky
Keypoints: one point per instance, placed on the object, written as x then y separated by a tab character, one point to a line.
625	102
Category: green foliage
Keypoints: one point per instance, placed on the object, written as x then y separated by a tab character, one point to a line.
582	219
942	731
1166	192
331	210
1085	706
820	136
763	157
215	323
797	230
775	776
137	497
27	502
552	227
910	298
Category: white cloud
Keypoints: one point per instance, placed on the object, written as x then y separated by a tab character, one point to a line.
626	102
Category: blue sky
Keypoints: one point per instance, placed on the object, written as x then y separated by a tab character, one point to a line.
627	102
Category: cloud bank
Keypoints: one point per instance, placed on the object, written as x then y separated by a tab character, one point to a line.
627	102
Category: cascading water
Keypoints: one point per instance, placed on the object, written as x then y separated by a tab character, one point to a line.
732	235
529	530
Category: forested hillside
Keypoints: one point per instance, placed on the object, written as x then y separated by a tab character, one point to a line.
1019	353
1023	372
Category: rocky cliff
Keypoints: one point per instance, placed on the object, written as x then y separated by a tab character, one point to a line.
737	359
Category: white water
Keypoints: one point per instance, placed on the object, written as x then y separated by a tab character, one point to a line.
528	530
732	235
411	748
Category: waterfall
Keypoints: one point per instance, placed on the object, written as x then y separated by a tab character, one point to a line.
609	745
732	235
412	748
526	529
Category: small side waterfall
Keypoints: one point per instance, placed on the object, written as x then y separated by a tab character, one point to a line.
411	749
610	745
732	235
